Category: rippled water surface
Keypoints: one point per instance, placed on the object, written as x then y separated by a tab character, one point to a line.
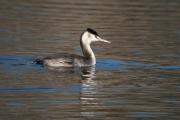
137	76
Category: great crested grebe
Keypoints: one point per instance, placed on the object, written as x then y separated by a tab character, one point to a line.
72	60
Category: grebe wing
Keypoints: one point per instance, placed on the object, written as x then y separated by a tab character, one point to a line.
63	59
64	56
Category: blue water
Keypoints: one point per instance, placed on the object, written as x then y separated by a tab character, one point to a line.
20	62
137	77
25	62
89	90
27	89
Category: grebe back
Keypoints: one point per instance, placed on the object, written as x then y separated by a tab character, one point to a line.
72	60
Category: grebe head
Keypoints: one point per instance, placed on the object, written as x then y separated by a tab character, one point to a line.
87	38
90	36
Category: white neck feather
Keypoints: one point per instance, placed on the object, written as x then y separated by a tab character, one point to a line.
86	48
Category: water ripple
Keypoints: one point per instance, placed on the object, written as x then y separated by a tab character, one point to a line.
19	61
26	89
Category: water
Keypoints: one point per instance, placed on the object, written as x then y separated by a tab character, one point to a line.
136	76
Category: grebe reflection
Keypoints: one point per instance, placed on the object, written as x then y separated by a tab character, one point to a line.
88	93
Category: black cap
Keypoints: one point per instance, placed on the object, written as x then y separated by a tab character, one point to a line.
92	31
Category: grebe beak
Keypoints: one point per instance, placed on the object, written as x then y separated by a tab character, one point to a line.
102	40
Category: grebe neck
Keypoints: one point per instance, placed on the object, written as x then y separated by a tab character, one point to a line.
87	52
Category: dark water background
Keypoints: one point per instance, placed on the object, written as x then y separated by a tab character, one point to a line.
136	77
